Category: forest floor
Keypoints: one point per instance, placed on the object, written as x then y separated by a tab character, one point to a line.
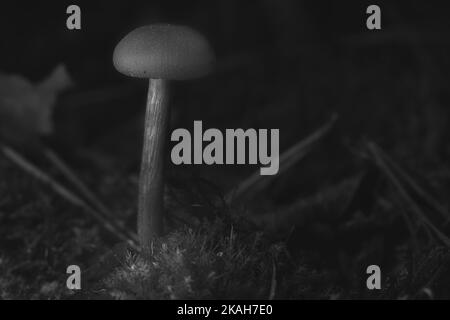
373	190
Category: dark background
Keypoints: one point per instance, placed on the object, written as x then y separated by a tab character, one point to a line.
281	64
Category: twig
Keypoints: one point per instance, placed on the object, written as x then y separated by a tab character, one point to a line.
256	182
31	169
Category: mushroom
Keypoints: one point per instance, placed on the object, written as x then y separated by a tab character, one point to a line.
160	53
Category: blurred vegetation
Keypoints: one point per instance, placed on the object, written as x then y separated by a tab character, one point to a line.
281	64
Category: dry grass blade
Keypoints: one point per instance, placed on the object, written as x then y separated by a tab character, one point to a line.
111	226
256	182
384	167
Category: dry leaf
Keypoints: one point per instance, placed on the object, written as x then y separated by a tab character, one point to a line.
26	108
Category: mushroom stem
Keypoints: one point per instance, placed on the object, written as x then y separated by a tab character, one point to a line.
151	181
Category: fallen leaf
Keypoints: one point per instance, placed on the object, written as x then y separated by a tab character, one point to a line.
26	108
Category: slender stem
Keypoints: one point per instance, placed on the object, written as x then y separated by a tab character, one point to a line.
151	182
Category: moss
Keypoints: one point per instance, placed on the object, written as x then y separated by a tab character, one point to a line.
214	261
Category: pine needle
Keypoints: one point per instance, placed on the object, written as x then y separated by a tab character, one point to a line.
77	182
107	223
415	208
256	182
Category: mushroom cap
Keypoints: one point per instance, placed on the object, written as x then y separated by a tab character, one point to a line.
164	51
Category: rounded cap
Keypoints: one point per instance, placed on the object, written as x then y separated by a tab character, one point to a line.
163	52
